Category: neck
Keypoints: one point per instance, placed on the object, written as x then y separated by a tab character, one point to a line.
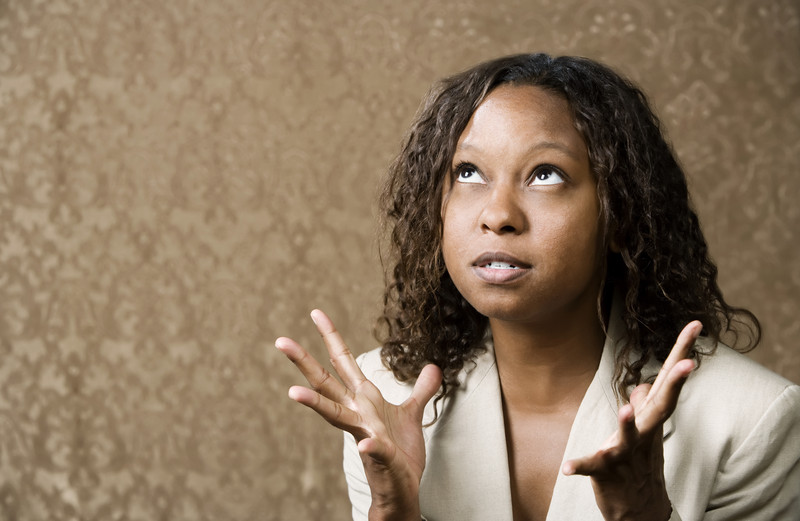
545	367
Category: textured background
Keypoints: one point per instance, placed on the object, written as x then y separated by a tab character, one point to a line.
181	182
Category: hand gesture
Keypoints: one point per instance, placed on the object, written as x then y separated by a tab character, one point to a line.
389	436
628	471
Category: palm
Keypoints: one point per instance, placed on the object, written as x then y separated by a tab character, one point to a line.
389	436
627	472
395	430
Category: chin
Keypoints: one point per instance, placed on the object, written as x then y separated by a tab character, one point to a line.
508	311
542	309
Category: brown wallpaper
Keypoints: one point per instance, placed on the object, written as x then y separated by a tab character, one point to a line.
181	182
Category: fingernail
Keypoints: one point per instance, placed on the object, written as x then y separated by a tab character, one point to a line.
313	318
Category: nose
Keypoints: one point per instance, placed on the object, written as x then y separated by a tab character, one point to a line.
502	212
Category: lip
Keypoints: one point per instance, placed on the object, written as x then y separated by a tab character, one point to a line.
499	256
499	275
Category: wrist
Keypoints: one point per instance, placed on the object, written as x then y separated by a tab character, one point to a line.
400	502
395	513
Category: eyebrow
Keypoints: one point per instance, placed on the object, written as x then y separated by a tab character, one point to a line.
541	145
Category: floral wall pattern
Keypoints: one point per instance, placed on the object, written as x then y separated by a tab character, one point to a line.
181	182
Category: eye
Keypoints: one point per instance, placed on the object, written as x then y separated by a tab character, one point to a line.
467	173
547	175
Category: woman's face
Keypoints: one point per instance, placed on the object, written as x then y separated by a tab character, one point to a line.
521	214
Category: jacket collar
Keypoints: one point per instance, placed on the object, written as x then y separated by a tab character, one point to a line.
467	455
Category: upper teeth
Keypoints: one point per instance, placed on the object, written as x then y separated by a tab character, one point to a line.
501	266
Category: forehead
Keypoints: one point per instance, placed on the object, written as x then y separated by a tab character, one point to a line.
522	115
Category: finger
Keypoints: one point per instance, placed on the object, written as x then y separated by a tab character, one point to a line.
593	465
333	412
639	395
680	351
342	359
425	388
318	377
663	402
628	434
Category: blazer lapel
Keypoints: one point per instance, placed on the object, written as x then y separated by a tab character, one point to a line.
466	473
596	420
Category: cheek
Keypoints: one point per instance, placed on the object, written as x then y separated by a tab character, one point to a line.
451	239
456	250
455	226
574	234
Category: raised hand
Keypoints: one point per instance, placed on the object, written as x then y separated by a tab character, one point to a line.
628	471
389	436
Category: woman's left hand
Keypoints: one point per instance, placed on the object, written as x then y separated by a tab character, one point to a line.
628	471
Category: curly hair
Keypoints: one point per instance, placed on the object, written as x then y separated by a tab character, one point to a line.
657	256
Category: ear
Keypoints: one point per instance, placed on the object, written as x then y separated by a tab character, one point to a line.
613	246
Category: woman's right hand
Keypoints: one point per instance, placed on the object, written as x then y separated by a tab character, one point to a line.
389	436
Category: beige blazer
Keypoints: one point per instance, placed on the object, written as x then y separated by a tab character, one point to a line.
731	449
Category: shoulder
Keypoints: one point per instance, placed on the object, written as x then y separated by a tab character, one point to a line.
471	378
736	440
728	378
731	400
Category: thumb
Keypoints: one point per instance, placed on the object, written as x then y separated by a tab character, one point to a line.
376	450
428	382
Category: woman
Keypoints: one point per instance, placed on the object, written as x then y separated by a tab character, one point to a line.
549	266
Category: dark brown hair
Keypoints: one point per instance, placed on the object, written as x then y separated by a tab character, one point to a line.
663	270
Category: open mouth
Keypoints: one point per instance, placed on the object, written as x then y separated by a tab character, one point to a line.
496	265
499	261
498	268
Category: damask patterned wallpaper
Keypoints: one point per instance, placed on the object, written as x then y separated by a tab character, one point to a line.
181	182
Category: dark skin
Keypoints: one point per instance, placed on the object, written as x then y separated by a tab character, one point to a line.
539	411
520	241
523	189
